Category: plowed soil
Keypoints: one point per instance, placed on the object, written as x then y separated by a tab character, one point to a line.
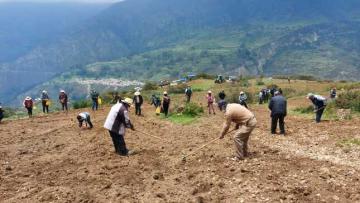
50	159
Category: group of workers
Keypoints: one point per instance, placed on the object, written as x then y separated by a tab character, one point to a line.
118	118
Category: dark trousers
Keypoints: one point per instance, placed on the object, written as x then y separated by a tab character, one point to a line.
319	114
95	105
29	109
137	109
119	143
166	109
64	106
274	120
188	98
45	107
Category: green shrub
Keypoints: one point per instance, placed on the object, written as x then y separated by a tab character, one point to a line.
9	112
193	109
349	100
289	92
150	86
81	104
260	83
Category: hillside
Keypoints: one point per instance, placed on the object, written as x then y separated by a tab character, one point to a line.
138	28
53	160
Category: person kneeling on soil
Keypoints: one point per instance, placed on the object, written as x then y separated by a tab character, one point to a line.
116	122
319	104
84	117
1	113
241	116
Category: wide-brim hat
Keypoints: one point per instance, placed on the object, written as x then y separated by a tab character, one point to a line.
241	92
209	92
165	92
62	91
137	93
44	91
28	98
127	101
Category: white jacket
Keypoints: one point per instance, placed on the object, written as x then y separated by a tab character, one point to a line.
118	119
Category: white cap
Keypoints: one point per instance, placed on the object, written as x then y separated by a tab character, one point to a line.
209	92
63	91
165	92
28	98
137	93
127	101
241	92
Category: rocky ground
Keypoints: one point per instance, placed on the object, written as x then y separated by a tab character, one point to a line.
49	159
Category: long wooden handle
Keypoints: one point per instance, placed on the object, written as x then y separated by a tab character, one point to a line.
150	135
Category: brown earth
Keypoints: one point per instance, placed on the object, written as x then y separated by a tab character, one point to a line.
49	159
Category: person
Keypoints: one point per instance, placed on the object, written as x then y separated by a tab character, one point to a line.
166	104
222	103
272	91
116	97
242	99
63	98
116	122
45	99
1	113
288	80
138	100
95	100
188	94
241	116
155	101
333	93
278	108
261	97
29	104
319	104
210	102
84	117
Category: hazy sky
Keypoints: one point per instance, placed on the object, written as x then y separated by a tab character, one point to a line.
49	1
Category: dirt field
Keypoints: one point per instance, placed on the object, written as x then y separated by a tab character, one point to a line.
49	159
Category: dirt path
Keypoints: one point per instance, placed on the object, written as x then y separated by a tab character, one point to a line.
49	159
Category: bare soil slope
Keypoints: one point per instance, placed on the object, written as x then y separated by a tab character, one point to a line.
49	159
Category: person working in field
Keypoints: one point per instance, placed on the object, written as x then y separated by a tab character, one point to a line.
138	101
1	113
166	104
319	103
242	99
45	101
188	93
222	102
278	107
63	98
95	100
210	102
29	105
245	123
116	122
84	117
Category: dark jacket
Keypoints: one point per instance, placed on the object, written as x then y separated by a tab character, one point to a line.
141	100
318	102
1	114
63	98
222	95
278	105
94	96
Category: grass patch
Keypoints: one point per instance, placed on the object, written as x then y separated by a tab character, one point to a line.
349	142
182	119
202	85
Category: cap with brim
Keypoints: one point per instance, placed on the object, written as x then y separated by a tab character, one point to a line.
127	101
209	92
63	91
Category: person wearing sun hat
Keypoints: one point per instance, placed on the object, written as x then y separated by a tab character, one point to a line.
166	103
138	100
242	99
29	104
116	123
63	98
210	101
45	101
319	103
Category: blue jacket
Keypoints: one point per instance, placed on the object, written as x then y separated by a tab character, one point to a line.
278	105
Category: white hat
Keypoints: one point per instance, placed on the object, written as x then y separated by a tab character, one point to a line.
310	95
209	92
28	98
63	91
44	91
127	101
276	93
137	93
165	92
0	107
241	92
